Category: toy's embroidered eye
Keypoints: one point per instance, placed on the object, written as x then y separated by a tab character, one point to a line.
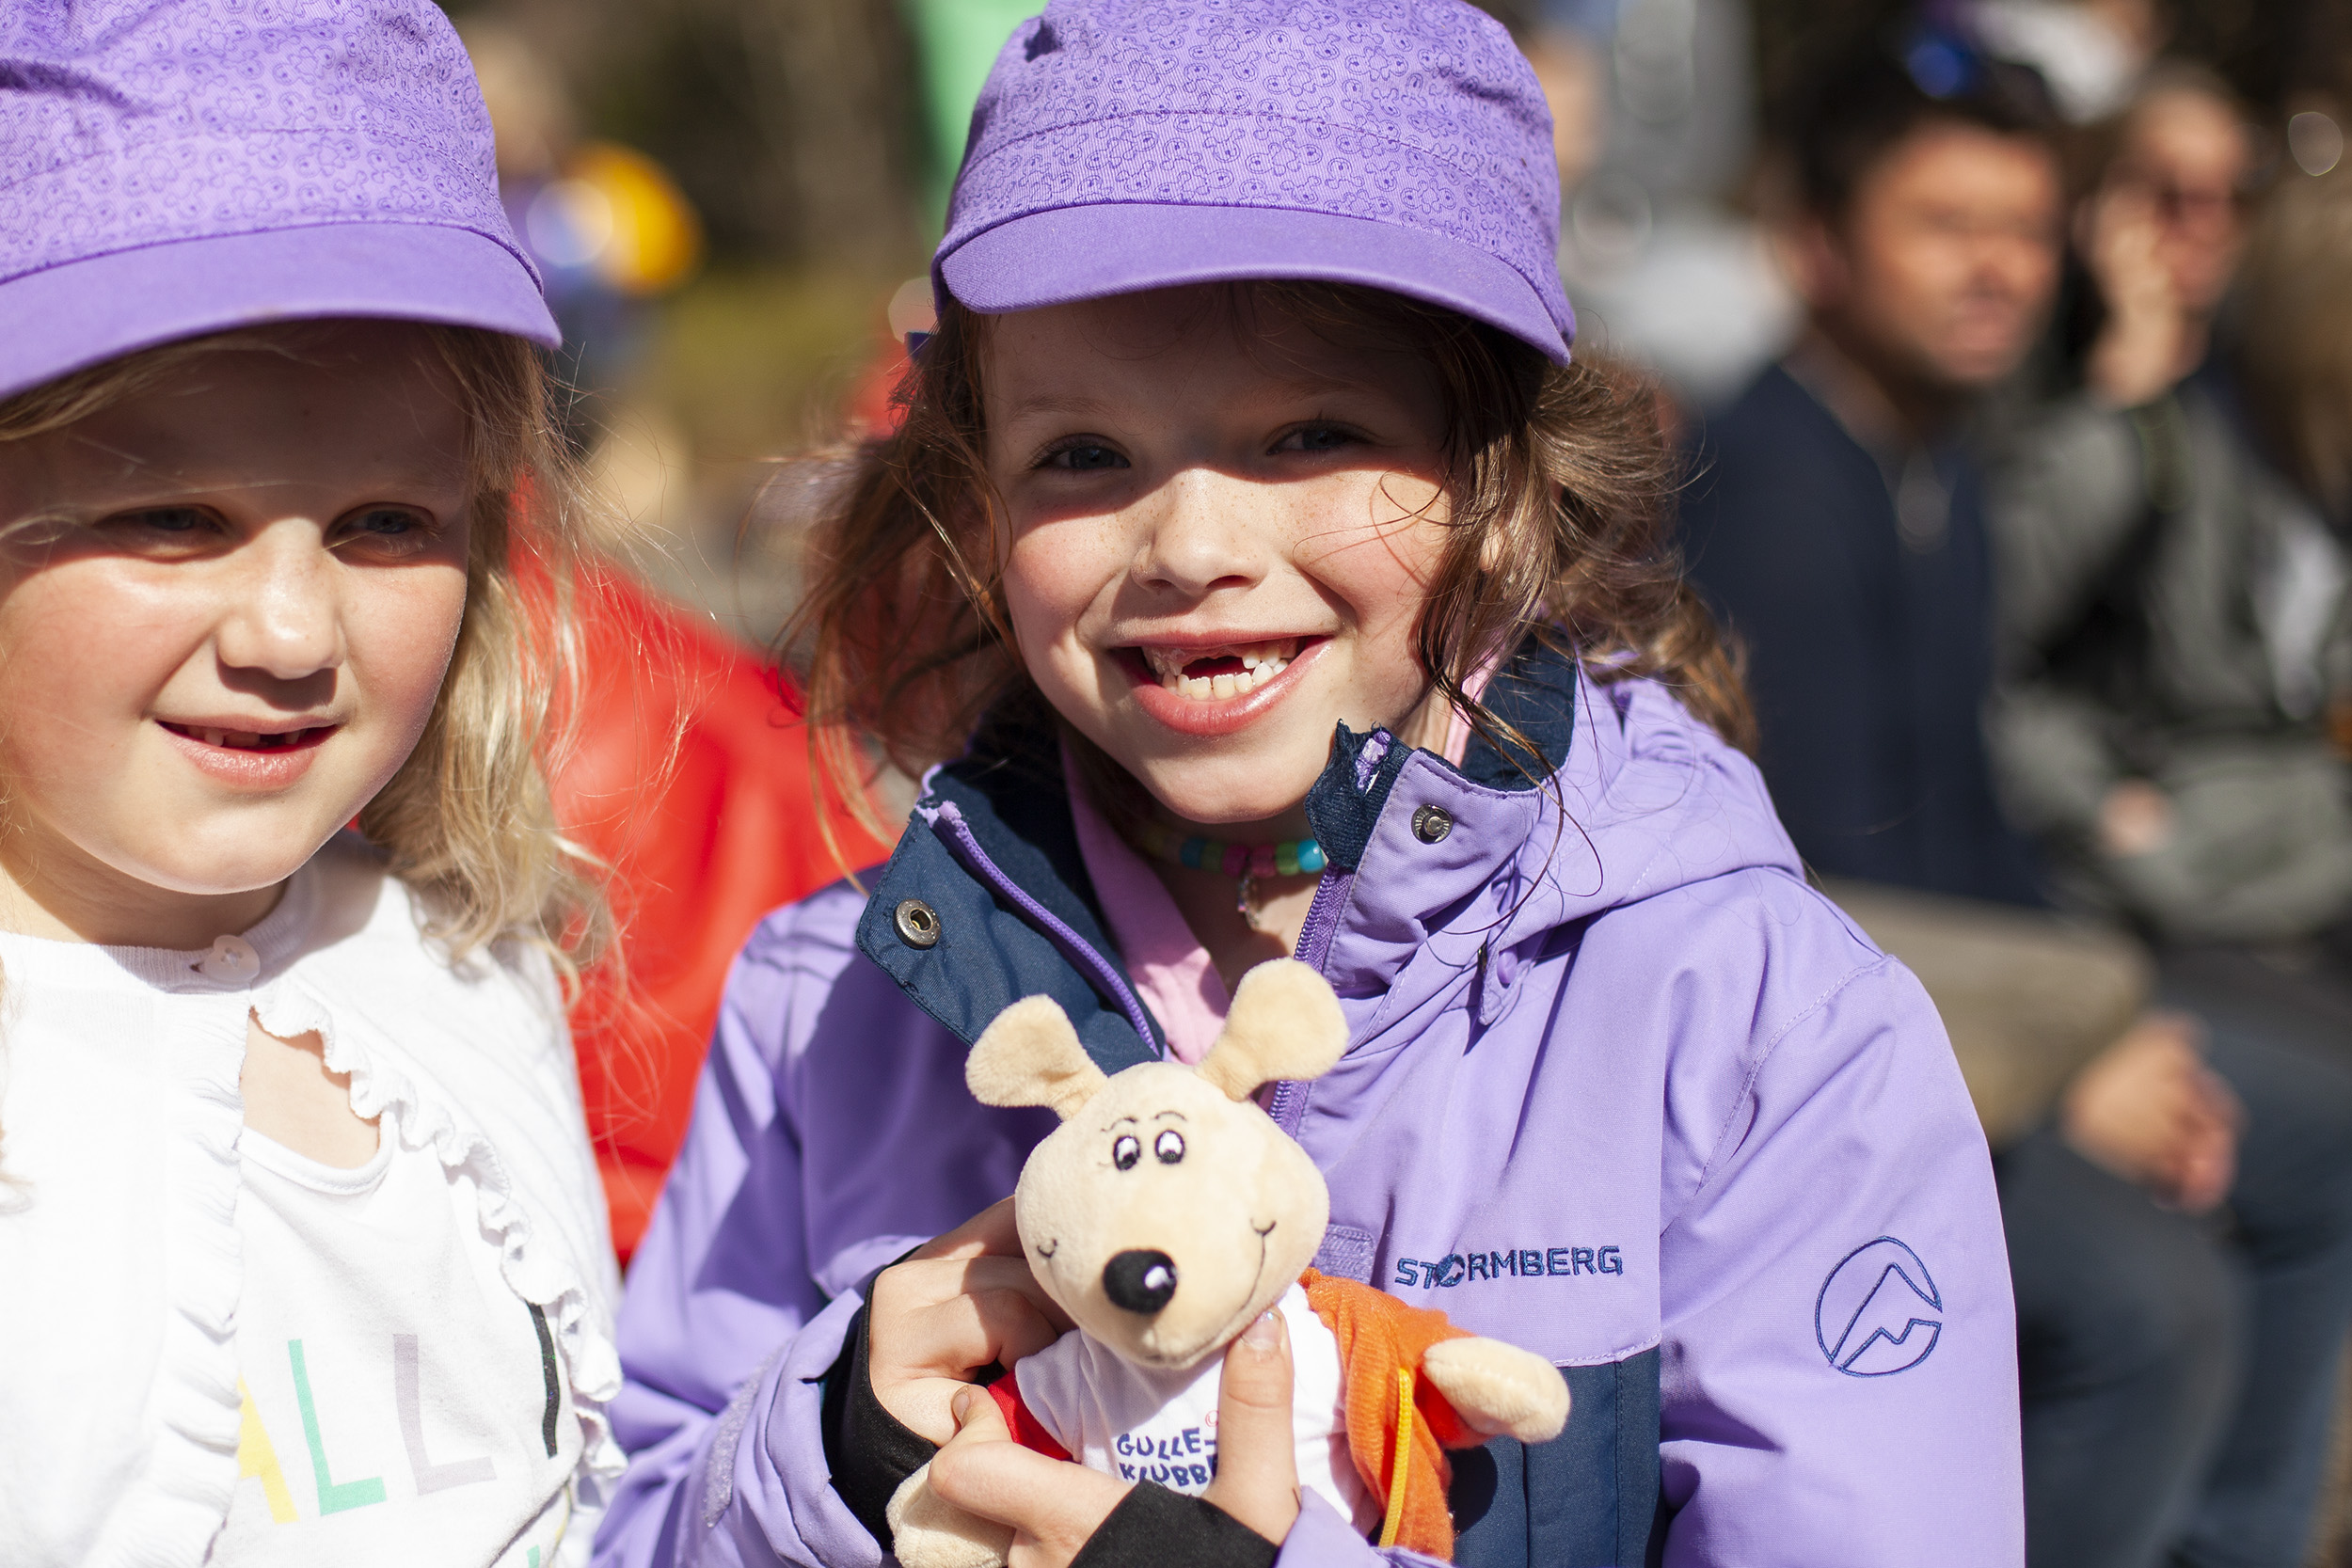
1125	1152
1168	1145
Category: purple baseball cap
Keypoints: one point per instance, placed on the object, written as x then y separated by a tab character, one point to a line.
1136	144
172	167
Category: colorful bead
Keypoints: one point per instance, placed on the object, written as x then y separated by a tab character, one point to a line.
1289	858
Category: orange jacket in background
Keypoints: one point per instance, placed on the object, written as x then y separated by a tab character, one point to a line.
703	840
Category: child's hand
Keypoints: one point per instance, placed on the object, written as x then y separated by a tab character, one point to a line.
1257	1456
962	1301
1055	1507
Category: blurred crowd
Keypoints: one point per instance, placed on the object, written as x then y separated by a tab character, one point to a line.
2011	346
2033	534
2031	519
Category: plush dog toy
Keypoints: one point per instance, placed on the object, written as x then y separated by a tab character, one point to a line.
1164	1215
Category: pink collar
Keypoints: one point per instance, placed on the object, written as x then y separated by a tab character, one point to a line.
1170	967
1173	972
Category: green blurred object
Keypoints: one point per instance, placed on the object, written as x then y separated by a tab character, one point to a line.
955	43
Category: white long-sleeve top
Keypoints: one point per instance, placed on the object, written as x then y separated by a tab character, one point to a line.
122	1271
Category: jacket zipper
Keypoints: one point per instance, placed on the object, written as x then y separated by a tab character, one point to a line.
1323	919
967	848
1288	1106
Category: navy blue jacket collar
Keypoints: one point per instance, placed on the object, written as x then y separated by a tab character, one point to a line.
991	854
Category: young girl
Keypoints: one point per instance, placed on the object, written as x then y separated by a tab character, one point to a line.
1276	583
303	1253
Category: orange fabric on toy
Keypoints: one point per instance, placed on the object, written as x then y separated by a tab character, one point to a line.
1377	1335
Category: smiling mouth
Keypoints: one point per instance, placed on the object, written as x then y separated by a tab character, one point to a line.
1221	671
251	740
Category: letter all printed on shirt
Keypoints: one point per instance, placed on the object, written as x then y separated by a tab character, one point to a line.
393	1398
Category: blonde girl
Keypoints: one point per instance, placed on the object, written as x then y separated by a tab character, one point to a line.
303	1254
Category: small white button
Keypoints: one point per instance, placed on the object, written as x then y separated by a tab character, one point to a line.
232	959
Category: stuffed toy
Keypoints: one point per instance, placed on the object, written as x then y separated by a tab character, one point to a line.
1164	1214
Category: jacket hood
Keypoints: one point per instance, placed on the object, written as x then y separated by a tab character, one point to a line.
1435	873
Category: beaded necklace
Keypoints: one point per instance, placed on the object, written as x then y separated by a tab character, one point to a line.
1244	863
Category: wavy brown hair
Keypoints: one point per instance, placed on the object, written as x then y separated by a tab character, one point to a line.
1558	484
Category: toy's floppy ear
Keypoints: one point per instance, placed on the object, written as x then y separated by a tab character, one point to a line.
1284	1022
1030	1055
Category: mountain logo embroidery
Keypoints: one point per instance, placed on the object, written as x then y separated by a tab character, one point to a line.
1879	1312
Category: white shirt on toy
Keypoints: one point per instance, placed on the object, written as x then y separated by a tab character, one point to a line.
1139	1424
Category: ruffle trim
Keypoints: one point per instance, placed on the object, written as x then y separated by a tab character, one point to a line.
537	1274
193	1457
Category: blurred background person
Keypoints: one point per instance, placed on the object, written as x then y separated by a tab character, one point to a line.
2173	607
608	228
2173	580
2161	233
1838	519
686	775
689	776
1835	512
1653	106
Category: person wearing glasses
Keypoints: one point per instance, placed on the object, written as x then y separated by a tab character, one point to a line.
2176	1190
2168	544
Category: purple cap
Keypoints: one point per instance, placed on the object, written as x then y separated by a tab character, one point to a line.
170	167
1136	144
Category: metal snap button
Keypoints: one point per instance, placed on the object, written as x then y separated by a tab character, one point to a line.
918	923
1432	823
230	959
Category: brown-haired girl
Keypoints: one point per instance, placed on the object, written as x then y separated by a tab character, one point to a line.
1255	574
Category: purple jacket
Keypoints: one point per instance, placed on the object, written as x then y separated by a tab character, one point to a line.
1622	1090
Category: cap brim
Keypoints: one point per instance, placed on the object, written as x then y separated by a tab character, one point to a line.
65	318
1073	253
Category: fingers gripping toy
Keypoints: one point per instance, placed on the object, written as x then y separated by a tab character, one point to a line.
1164	1215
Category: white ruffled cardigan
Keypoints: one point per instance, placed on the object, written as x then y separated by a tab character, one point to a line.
118	1260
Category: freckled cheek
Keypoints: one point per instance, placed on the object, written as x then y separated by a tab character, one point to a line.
1052	578
1381	571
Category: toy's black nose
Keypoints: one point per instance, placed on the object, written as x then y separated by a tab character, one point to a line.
1139	1281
